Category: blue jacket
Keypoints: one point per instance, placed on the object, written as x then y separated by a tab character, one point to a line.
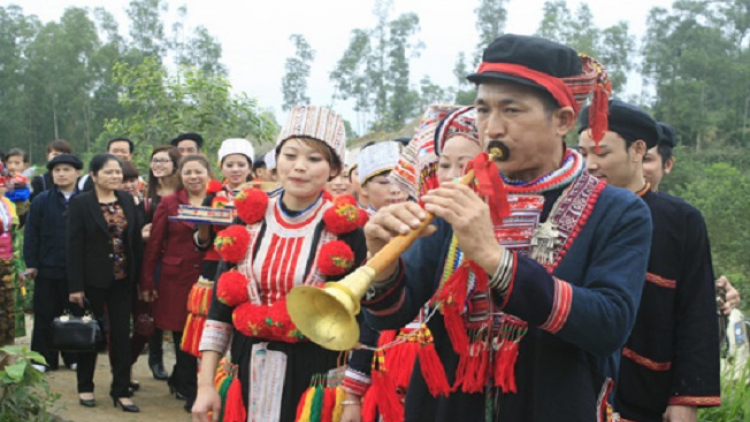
564	369
45	234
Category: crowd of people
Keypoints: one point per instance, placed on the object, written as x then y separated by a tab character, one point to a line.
561	285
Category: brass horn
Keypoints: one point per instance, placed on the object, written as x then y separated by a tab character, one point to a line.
327	316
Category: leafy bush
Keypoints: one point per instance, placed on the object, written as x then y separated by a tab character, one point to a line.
24	392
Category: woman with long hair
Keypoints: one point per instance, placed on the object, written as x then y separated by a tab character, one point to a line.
171	246
104	249
297	238
163	180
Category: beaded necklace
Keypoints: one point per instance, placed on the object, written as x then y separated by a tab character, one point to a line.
571	168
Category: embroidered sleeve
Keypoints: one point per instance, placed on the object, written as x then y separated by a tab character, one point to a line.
216	336
416	283
356	382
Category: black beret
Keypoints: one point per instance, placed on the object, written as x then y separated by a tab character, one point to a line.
536	53
667	134
628	121
190	136
65	159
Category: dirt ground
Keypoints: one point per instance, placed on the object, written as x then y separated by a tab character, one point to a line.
153	397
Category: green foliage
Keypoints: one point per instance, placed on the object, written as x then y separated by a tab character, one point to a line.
735	400
24	392
294	82
613	45
374	70
721	194
160	105
696	58
491	18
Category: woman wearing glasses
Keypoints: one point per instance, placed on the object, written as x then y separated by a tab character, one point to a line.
171	247
104	249
163	180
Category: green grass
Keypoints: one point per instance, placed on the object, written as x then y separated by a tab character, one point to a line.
735	400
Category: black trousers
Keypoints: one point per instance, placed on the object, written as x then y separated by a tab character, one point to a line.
117	301
184	376
50	298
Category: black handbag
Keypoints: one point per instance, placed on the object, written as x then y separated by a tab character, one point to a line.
72	333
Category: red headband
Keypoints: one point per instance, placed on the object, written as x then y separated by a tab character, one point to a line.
555	86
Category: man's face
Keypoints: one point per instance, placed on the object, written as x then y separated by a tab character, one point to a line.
187	147
14	163
654	168
64	175
515	115
121	149
613	163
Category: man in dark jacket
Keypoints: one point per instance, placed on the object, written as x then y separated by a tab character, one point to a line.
45	253
670	363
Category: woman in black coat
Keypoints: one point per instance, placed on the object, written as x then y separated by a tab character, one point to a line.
104	254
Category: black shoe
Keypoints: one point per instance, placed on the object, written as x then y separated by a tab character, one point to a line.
130	408
134	386
87	402
157	369
177	394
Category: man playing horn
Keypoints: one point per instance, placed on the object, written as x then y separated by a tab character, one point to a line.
533	280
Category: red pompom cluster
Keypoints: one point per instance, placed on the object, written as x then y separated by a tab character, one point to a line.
231	289
232	243
213	186
327	195
344	216
251	205
335	258
266	322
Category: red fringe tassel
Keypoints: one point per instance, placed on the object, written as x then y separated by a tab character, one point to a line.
235	411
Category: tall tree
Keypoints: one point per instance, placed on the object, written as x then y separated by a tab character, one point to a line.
491	18
402	100
294	82
195	47
613	45
147	27
375	70
350	77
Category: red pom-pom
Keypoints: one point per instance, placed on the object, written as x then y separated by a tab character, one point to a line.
363	217
231	289
345	199
251	205
343	217
232	243
328	196
213	186
335	258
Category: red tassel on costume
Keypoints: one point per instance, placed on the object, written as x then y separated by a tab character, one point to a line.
453	298
301	404
381	398
492	186
598	120
476	374
400	360
235	406
329	401
432	369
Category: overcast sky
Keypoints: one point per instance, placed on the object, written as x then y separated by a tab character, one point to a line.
255	34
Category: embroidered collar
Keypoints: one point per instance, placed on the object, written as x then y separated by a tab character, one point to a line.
571	168
285	217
